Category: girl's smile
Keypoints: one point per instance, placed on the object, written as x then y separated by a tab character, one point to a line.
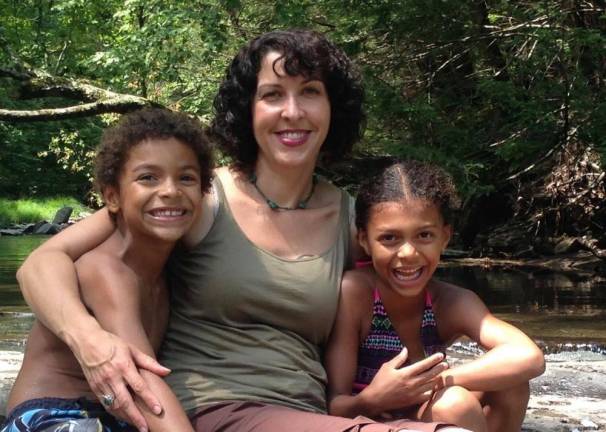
405	241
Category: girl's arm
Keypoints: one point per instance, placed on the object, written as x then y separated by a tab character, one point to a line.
116	300
512	357
50	286
394	386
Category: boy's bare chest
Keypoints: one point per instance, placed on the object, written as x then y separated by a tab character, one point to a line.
154	312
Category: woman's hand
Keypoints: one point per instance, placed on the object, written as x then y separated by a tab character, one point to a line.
111	368
397	387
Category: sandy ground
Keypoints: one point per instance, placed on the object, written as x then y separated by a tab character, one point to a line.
569	397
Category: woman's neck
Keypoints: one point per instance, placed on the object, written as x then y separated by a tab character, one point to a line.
286	187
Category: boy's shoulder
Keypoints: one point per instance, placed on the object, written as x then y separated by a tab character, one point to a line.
104	272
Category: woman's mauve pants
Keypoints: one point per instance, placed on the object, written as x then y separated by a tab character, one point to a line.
259	417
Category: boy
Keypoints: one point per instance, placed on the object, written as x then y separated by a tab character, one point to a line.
151	169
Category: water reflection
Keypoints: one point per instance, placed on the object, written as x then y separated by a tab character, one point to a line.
13	251
551	307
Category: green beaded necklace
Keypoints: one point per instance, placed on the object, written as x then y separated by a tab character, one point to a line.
275	206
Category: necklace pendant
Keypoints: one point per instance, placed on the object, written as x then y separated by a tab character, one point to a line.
275	206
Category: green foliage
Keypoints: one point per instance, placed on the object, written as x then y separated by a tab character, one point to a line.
484	88
36	210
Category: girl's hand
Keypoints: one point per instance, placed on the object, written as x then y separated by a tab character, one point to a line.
111	368
397	387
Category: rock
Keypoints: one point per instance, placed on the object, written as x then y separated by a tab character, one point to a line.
62	216
567	245
10	363
588	424
47	228
11	231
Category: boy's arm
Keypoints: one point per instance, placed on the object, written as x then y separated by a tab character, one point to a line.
115	299
50	286
394	386
512	358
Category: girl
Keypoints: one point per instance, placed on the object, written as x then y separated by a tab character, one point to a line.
393	314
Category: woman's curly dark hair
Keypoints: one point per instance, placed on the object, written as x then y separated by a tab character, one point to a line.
116	142
402	181
305	53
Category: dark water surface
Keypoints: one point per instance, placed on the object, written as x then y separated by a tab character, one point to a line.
13	250
563	312
556	308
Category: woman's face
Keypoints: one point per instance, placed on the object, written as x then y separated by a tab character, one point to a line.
291	116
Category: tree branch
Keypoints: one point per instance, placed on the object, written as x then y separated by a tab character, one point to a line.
96	100
121	104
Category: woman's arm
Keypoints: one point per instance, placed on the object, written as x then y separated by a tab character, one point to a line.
49	283
512	357
50	286
394	386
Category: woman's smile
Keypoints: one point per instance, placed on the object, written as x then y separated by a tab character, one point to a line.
291	115
293	138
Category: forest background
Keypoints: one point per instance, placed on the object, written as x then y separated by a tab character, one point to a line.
508	96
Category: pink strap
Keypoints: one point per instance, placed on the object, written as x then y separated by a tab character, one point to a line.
375	294
428	302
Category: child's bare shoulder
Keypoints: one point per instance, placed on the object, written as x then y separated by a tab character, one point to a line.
357	282
455	307
104	275
449	294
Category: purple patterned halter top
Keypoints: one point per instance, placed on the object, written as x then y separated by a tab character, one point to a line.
383	343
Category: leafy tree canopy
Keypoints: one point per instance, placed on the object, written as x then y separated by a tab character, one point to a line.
493	90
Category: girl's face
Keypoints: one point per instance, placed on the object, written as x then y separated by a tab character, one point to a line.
405	241
291	116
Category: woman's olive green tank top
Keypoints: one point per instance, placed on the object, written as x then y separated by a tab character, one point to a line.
248	325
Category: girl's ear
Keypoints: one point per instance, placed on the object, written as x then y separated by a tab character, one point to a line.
447	229
111	197
363	240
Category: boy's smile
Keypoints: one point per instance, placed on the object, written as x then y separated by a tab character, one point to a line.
159	190
405	241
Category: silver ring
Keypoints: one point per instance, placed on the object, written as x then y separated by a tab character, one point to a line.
108	400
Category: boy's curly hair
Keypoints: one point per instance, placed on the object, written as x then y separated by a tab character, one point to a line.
402	181
305	53
147	123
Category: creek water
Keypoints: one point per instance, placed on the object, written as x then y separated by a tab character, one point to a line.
562	312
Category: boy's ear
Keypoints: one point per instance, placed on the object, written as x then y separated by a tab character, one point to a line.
363	240
447	235
111	197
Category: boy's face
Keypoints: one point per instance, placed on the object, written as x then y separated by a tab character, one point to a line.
159	190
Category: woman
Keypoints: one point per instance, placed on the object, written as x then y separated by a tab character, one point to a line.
255	285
